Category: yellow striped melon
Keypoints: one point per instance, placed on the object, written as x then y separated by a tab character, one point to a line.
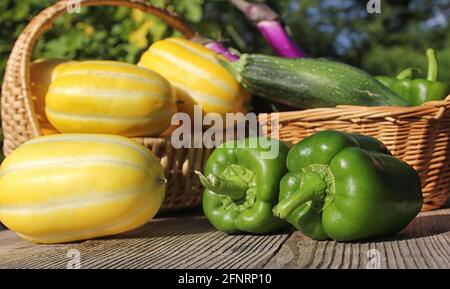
70	187
197	76
109	97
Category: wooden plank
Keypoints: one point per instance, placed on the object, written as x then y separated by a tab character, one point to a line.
190	242
183	242
425	243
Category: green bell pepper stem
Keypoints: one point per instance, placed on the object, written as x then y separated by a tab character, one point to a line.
234	186
408	73
312	188
432	74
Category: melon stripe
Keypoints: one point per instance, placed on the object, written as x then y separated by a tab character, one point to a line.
96	199
102	65
193	49
89	63
190	68
69	162
93	138
158	115
121	75
105	93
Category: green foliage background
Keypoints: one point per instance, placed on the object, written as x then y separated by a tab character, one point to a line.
380	43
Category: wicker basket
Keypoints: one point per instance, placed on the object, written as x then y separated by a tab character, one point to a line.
418	135
20	124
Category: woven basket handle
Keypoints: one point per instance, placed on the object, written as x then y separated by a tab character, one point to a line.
18	116
443	107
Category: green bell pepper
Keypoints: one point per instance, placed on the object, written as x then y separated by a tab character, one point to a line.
347	187
242	184
418	91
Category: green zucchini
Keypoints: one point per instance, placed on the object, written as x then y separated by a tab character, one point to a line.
310	83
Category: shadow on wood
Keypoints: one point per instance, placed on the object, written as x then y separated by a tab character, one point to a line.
421	227
425	243
160	228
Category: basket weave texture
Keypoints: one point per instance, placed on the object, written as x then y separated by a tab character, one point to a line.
418	135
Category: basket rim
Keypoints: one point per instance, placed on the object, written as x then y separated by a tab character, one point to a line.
429	110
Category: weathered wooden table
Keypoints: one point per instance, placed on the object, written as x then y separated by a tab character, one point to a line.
190	242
